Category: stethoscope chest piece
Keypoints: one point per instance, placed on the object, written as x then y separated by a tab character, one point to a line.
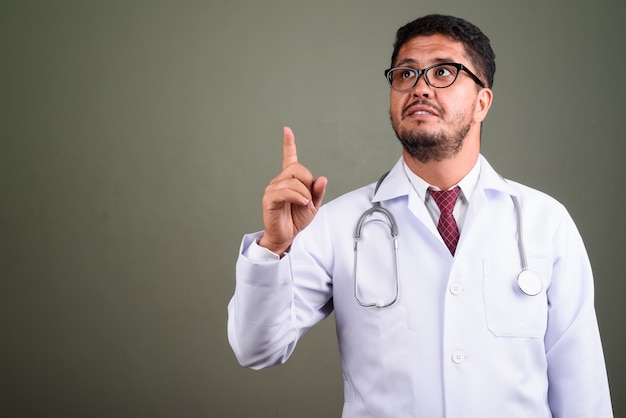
529	282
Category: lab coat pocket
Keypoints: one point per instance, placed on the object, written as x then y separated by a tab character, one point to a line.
509	312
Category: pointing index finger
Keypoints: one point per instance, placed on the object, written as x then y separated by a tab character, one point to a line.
290	155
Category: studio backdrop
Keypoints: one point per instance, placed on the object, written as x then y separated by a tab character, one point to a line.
136	140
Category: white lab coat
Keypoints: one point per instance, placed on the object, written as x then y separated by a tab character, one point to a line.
461	340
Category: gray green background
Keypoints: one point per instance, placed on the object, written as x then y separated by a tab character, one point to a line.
137	138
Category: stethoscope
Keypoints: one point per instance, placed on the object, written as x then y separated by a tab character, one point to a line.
528	281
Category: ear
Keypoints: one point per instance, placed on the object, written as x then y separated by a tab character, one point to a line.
483	103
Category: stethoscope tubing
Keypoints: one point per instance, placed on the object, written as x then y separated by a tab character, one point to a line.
528	282
394	235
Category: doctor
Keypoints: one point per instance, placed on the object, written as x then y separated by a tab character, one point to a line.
450	333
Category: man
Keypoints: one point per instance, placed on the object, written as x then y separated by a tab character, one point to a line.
443	327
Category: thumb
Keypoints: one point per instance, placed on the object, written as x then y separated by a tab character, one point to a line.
318	189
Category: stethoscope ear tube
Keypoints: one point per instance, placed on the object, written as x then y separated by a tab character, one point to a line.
394	236
376	208
393	227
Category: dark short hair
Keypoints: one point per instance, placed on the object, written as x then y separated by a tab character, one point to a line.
476	43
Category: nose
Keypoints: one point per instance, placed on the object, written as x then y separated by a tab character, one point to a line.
421	87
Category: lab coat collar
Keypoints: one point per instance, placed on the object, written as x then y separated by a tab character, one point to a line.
491	180
397	184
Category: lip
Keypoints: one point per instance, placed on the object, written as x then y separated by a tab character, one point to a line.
419	110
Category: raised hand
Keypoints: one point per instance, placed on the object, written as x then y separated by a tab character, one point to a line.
291	200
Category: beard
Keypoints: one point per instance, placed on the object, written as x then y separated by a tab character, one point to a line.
427	146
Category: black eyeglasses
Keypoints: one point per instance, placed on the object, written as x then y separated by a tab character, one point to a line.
439	76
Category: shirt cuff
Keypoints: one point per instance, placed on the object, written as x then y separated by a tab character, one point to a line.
258	254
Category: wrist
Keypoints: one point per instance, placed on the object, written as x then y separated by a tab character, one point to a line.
278	249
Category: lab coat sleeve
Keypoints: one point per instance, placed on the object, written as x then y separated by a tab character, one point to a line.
578	384
268	312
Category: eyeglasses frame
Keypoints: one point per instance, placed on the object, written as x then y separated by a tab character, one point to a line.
459	67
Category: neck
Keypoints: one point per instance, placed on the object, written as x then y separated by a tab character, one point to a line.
448	172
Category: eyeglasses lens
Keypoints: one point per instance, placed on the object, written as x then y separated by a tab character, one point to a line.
438	76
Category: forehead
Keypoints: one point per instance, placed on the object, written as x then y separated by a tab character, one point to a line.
427	50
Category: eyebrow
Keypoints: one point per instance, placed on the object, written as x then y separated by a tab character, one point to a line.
414	62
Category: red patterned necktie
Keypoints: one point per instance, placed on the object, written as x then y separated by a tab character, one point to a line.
447	225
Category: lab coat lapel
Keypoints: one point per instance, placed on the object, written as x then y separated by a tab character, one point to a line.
418	208
489	182
474	211
396	185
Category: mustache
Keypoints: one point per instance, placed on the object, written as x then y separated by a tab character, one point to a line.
421	102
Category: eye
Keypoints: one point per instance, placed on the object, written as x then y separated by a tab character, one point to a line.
404	74
442	75
443	72
402	78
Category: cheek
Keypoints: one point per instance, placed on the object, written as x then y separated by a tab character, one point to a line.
463	108
396	104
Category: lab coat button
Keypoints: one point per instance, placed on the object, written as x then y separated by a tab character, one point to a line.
456	288
458	357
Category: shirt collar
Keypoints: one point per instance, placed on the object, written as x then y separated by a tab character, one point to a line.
398	183
467	183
